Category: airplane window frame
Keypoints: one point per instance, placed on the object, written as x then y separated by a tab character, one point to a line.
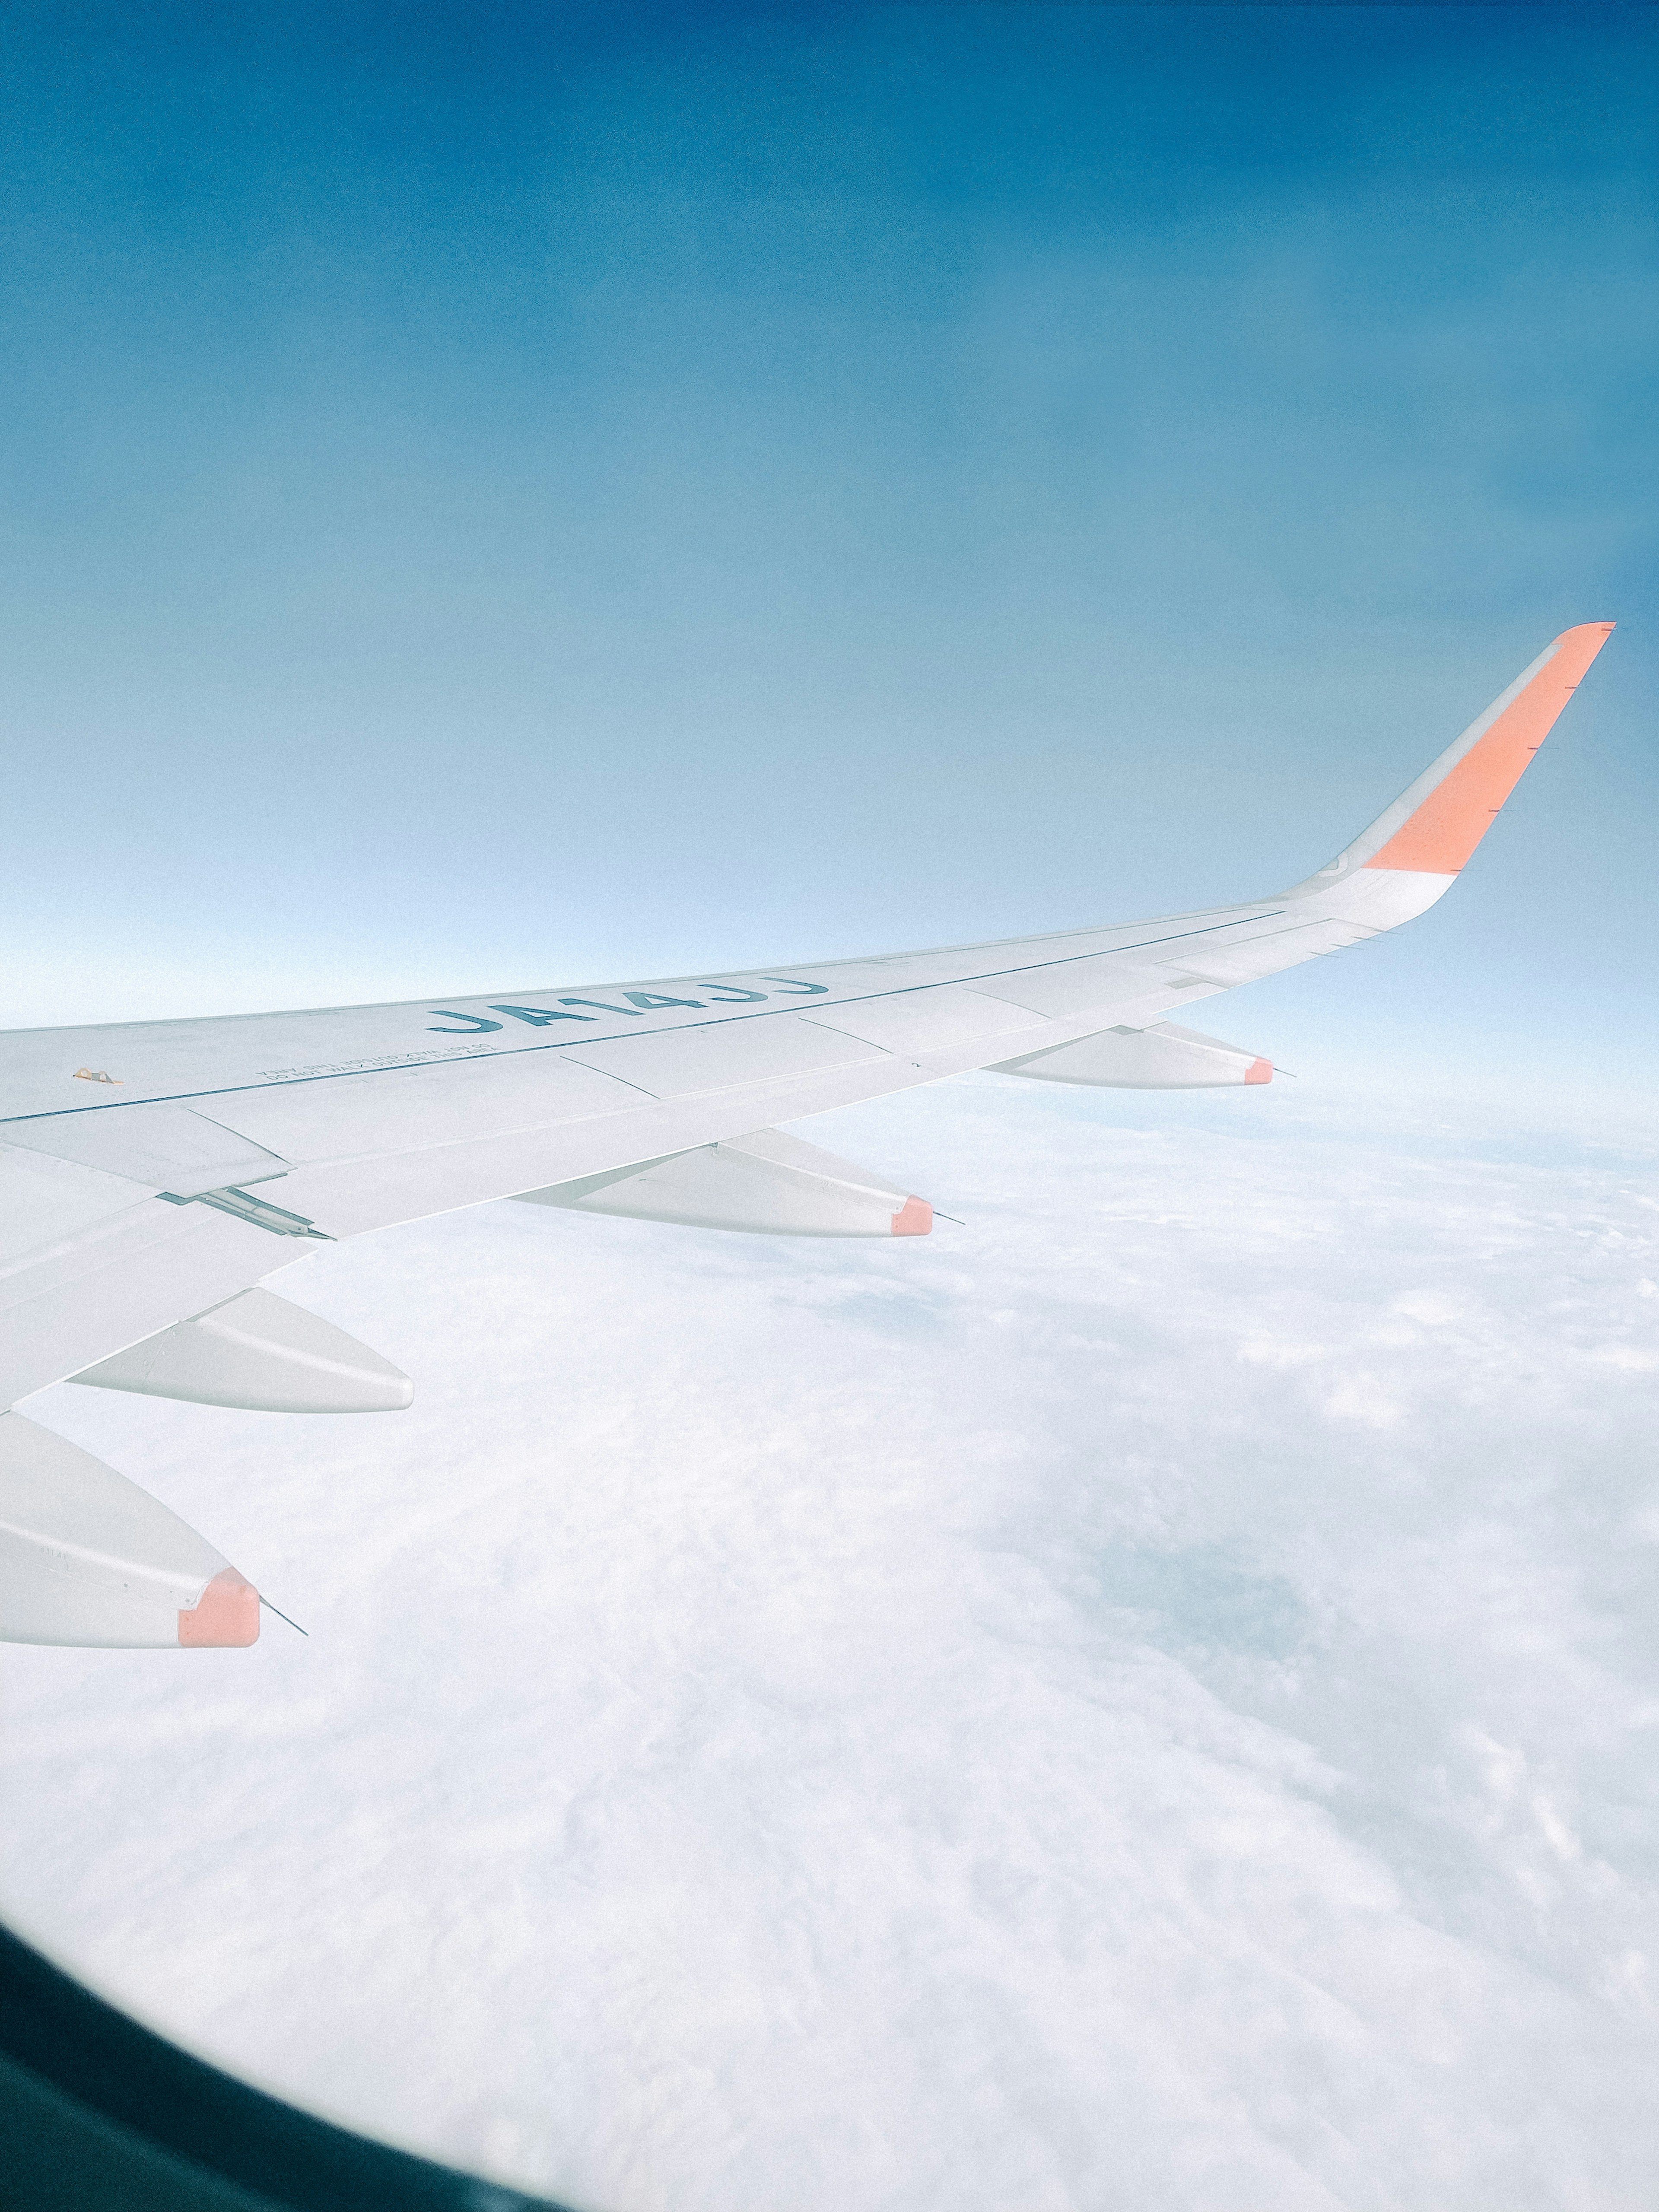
98	2113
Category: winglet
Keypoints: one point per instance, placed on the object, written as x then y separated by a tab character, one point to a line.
1439	838
1433	827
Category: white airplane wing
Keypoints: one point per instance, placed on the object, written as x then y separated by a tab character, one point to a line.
152	1176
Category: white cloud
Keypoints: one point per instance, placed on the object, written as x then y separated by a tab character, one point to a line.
1146	1699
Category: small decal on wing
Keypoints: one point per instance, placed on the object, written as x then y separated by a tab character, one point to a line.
95	1075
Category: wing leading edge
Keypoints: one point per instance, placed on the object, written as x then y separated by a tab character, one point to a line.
152	1174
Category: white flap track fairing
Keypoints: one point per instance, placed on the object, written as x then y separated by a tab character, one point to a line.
87	1557
1160	1058
258	1352
771	1184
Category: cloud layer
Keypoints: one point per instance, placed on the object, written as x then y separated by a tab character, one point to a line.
1146	1698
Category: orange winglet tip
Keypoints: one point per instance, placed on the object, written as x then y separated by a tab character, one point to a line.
1440	838
1259	1071
913	1218
226	1615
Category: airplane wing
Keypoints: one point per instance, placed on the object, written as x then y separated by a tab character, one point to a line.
154	1176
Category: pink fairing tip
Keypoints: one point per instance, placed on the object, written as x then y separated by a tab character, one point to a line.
227	1614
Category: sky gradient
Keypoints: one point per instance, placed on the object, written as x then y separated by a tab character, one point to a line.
501	496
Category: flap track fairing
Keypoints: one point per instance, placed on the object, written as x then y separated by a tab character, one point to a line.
1161	1058
769	1183
87	1557
259	1353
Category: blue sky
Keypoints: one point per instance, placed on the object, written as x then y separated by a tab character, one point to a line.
514	494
